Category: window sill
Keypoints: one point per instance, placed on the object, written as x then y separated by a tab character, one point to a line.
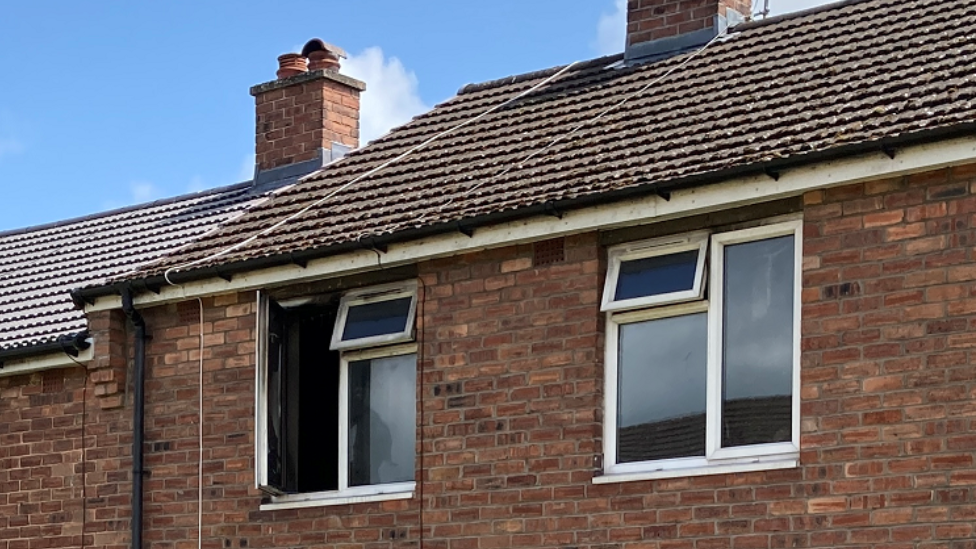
784	462
389	492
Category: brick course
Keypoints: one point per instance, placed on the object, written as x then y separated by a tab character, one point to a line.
511	396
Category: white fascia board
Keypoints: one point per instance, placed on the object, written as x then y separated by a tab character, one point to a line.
43	362
650	209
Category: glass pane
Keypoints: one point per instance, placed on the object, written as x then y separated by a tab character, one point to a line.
661	389
374	319
658	275
382	420
757	392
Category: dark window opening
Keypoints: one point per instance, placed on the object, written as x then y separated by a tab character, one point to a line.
303	399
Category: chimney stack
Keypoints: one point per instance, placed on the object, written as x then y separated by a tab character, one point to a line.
308	116
660	28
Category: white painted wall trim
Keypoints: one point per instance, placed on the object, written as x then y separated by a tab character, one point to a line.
651	209
48	361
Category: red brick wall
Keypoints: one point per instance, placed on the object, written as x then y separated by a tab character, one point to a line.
294	122
655	19
512	396
889	387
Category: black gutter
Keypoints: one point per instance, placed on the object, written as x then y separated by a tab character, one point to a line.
772	168
70	344
138	415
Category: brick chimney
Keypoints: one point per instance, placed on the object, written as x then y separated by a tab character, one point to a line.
659	28
308	116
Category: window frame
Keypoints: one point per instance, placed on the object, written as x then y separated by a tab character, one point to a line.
366	296
716	459
345	494
344	360
655	247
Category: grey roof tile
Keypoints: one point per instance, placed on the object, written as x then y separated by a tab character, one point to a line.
39	266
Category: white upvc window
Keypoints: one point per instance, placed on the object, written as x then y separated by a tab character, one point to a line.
336	423
376	316
704	380
655	272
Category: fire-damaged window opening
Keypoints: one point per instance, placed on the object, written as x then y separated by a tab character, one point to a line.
337	421
703	355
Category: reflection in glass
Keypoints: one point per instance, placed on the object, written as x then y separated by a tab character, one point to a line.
658	275
382	420
379	318
661	389
758	336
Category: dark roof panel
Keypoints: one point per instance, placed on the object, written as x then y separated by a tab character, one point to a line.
39	266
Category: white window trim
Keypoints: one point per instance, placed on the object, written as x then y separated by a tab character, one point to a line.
346	358
713	418
611	378
717	460
375	294
260	393
654	248
379	492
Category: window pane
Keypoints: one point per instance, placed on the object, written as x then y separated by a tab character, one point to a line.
658	275
382	420
374	319
758	335
661	389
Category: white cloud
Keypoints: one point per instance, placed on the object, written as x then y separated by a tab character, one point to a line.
143	191
611	31
392	97
246	172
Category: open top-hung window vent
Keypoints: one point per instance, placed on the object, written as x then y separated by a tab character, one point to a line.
656	272
377	316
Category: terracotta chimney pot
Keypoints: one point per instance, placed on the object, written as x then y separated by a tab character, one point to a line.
323	60
291	64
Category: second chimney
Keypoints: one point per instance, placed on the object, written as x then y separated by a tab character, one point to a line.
308	116
657	28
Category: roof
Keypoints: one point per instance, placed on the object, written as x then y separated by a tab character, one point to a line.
788	89
40	265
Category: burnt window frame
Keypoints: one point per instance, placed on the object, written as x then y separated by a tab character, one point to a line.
399	344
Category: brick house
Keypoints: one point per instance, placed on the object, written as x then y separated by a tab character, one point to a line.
713	292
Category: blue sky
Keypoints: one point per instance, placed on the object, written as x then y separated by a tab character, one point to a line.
110	103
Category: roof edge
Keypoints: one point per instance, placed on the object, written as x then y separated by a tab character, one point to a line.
125	209
65	342
535	75
154	283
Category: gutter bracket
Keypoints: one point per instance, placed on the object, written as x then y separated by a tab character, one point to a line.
223	275
466	231
552	210
666	195
889	151
370	244
303	263
771	173
154	288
